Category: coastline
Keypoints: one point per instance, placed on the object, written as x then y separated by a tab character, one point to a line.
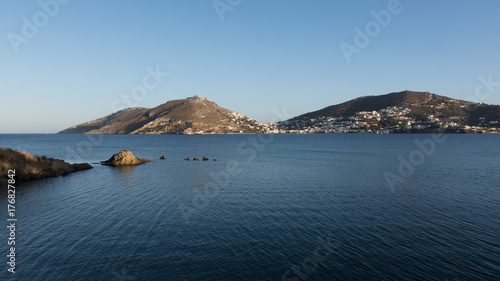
30	167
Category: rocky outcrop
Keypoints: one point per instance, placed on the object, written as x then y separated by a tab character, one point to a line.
124	158
29	167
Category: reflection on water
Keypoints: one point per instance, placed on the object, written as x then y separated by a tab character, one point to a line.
125	176
125	172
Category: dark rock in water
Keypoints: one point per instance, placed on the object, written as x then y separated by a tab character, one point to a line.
96	163
162	157
214	159
124	158
81	166
187	159
205	159
31	167
196	159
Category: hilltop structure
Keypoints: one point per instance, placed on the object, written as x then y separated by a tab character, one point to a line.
193	115
401	112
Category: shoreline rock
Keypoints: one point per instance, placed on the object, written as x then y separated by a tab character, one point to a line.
124	158
31	167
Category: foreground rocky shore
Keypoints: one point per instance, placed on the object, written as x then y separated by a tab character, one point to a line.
31	167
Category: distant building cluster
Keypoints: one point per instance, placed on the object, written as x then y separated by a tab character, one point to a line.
385	121
195	97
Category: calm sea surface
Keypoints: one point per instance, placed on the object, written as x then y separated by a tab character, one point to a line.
282	207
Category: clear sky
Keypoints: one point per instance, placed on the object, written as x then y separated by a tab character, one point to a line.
63	64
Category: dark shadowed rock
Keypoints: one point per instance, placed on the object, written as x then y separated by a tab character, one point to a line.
81	166
124	158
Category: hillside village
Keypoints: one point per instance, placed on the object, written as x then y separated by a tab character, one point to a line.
394	119
402	112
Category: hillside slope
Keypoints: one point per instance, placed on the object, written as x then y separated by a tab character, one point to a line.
421	104
192	115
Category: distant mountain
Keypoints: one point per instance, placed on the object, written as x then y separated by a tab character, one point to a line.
193	115
421	104
405	111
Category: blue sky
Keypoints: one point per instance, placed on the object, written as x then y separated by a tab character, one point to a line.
256	57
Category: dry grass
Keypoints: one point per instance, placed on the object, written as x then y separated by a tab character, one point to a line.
30	167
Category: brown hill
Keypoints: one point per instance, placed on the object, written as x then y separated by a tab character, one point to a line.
370	103
422	104
192	115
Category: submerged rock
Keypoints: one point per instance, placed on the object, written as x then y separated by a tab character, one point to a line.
124	158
